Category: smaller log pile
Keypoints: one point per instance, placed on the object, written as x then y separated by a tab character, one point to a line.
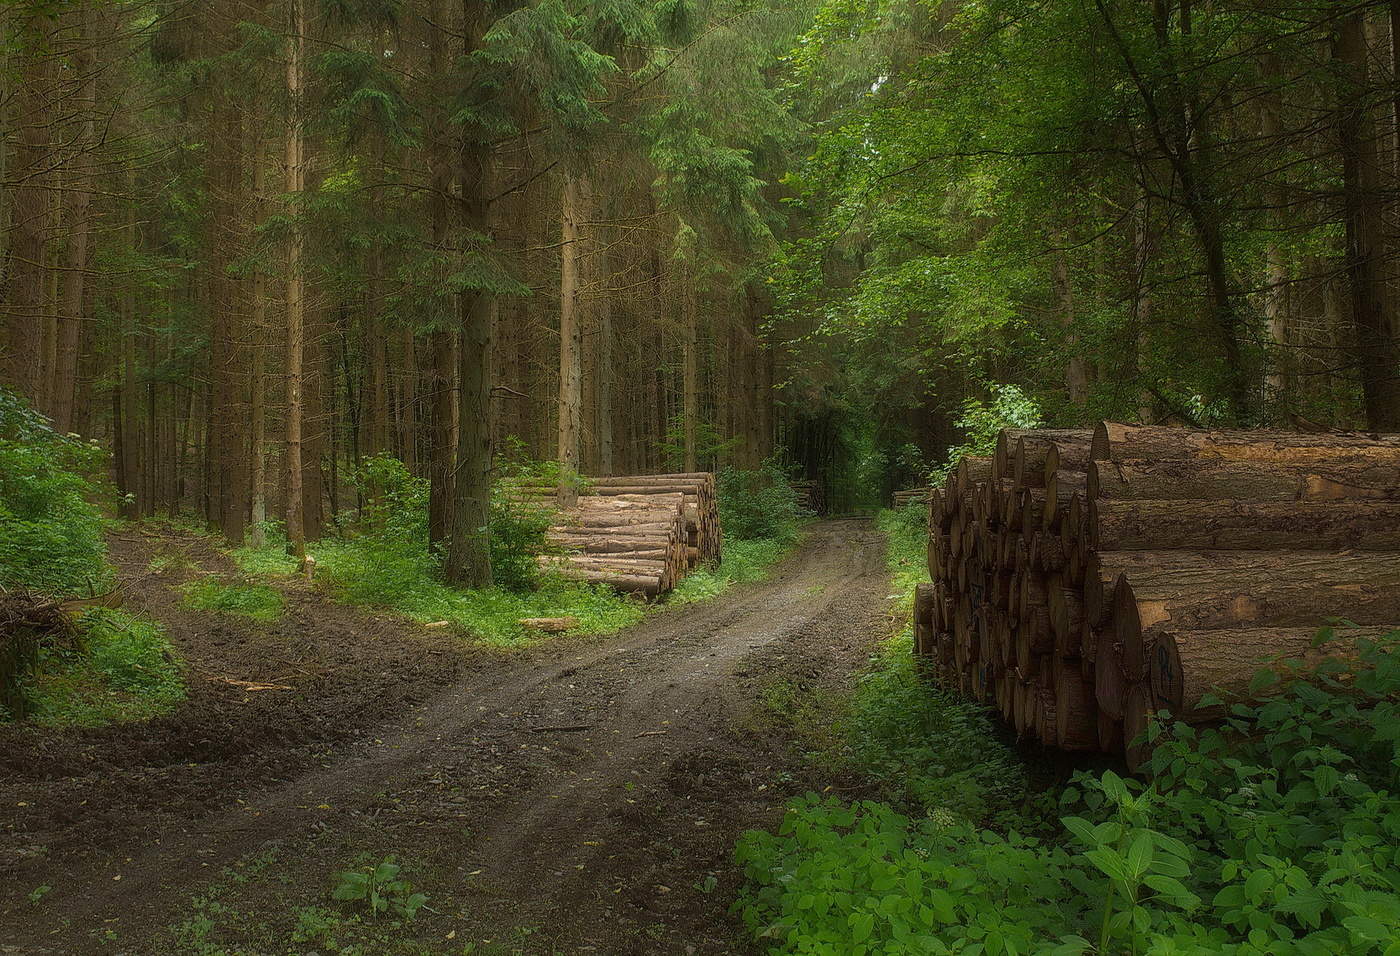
635	543
638	533
811	496
910	496
1085	579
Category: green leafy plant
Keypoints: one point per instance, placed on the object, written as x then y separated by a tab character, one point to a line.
518	522
380	889
980	421
50	531
1277	832
758	504
121	668
710	443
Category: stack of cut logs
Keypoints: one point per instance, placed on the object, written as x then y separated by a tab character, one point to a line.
638	533
910	496
811	496
1086	579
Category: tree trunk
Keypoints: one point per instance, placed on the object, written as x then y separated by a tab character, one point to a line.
1187	665
570	341
77	202
1278	377
1191	590
1076	371
605	437
296	304
1333	478
1115	442
469	551
443	371
406	421
691	373
24	305
315	422
1379	351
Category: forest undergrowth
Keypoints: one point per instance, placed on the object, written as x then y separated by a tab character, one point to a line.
103	664
1276	832
380	561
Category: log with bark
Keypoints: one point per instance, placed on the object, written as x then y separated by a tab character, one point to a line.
1177	479
1187	666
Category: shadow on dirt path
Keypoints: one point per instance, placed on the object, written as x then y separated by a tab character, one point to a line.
582	796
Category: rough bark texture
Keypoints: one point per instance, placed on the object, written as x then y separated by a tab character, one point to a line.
1116	442
1185	590
1336	477
1038	606
1244	525
469	553
296	305
1372	312
1187	665
570	343
1076	716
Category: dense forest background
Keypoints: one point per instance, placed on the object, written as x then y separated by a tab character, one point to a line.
248	243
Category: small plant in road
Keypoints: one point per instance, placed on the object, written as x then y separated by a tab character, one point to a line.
380	889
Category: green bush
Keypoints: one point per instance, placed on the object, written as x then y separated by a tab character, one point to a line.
396	517
743	562
1278	832
927	749
758	504
50	532
980	422
122	668
396	501
519	525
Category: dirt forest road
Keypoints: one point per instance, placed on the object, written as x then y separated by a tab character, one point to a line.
582	796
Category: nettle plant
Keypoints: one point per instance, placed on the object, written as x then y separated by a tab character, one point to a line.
1276	832
381	890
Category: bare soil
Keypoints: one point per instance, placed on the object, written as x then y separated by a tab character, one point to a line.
580	796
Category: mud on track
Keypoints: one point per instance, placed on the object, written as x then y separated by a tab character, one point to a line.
582	796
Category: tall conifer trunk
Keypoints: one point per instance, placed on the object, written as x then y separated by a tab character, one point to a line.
442	370
469	552
296	303
24	302
570	342
77	202
1379	354
690	374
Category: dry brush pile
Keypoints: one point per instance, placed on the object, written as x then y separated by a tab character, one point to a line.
637	533
1085	579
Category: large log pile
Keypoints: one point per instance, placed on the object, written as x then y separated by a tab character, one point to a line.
1085	579
638	533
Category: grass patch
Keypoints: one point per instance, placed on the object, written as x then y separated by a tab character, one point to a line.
366	571
122	669
371	571
269	561
906	554
744	562
259	602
